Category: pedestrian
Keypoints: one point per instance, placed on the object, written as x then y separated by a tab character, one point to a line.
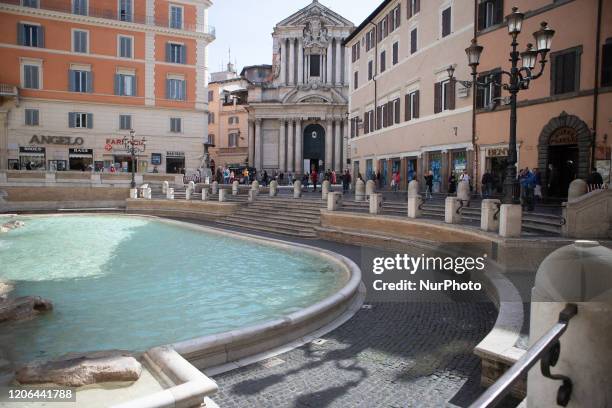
333	177
314	178
264	178
537	192
428	184
594	181
452	183
346	181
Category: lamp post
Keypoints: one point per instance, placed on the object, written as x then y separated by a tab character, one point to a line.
133	146
518	79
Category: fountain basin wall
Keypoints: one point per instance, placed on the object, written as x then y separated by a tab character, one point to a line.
189	210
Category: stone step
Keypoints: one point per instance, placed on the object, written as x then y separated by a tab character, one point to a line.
256	212
278	229
274	219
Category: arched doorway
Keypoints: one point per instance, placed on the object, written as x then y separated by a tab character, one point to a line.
314	147
563	154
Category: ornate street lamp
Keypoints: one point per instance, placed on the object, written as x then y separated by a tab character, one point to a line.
133	146
518	79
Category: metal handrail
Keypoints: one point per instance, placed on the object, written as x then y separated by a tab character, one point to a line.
545	349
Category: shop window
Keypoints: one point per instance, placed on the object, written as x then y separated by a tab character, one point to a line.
233	140
175	89
80	120
125	46
395	53
125	10
176	17
79	7
446	22
30	35
383	61
80	81
80	41
565	69
125	85
490	13
31	76
413	41
176	53
125	122
175	125
31	117
606	63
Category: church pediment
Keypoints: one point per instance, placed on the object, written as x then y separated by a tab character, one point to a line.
315	11
313	93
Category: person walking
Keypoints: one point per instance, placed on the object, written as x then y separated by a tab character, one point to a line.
314	178
452	183
428	184
346	181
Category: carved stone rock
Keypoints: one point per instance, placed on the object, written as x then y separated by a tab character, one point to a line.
23	308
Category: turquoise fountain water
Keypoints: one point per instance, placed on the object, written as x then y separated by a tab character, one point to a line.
133	283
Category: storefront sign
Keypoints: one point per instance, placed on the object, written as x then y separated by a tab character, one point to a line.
175	154
497	152
81	151
563	136
32	149
58	140
156	159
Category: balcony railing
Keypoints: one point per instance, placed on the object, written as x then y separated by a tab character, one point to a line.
65	6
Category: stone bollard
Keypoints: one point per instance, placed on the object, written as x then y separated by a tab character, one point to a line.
133	193
255	186
451	205
297	189
215	187
325	187
235	187
252	196
414	200
205	194
170	193
370	188
360	190
273	188
191	185
576	189
334	201
143	190
488	220
4	178
95	178
222	195
463	192
376	203
149	193
578	274
188	193
510	220
165	186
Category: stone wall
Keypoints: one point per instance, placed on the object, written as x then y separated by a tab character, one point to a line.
38	194
192	210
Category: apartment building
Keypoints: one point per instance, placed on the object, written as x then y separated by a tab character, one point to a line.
77	76
564	118
228	119
406	114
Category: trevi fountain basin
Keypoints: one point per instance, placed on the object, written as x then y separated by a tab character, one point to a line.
119	282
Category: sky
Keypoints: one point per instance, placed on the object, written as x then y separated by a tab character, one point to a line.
245	26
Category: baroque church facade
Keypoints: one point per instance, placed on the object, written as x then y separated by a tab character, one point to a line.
298	106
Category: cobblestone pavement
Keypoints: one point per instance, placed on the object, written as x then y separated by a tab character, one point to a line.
392	355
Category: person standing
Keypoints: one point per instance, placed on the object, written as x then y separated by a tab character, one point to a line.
428	184
314	178
346	181
452	183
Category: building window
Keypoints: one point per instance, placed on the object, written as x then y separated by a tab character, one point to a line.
125	122
80	120
370	70
80	81
31	117
30	35
175	89
125	84
175	53
368	122
444	95
315	65
125	45
396	111
485	95
125	10
396	18
446	22
211	96
79	7
233	140
30	3
414	6
411	108
211	117
383	61
565	69
233	120
413	41
490	13
80	41
606	63
355	52
395	53
370	39
211	139
356	80
31	76
176	17
175	125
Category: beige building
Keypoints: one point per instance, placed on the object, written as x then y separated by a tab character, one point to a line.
405	113
297	106
227	119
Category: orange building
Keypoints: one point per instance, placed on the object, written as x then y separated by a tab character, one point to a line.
78	75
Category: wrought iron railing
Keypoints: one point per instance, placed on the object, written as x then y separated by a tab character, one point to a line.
65	6
546	350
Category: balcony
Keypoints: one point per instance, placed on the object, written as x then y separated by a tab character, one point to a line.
65	6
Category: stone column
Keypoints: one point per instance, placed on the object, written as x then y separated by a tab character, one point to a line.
345	148
282	143
251	141
258	145
329	63
283	58
300	52
329	145
307	69
338	61
291	61
299	146
4	139
290	148
337	148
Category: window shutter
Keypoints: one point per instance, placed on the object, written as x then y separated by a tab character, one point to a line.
366	123
452	94
128	7
407	115
399	15
498	9
390	113
396	110
184	86
378	117
167	89
168	50
89	76
183	54
20	34
480	94
388	25
35	75
41	37
71	119
437	97
417	104
482	13
409	8
89	120
117	84
417	6
35	117
606	65
570	72
71	81
497	77
134	86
